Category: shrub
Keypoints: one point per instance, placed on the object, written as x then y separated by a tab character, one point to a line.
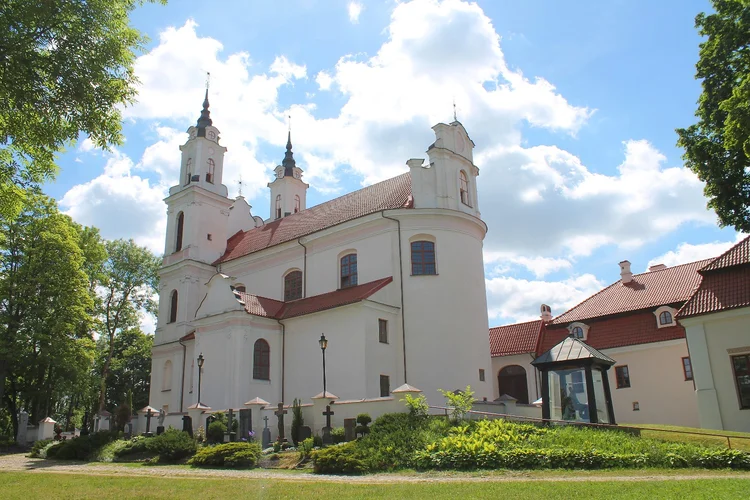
234	455
417	406
339	459
216	431
172	445
460	402
317	441
363	419
82	447
138	446
306	447
123	415
38	446
338	435
297	420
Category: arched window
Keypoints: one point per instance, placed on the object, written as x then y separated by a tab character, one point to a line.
173	307
464	186
178	237
188	171
349	270
293	286
423	258
577	332
261	360
512	381
665	318
211	170
296	203
166	381
278	206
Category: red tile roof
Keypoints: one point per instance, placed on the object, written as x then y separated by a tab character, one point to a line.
725	284
672	285
389	194
514	339
618	331
735	256
270	308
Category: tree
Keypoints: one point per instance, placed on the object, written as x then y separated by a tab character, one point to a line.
66	66
129	376
129	284
44	304
717	148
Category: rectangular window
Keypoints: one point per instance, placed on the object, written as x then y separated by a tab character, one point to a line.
481	374
423	258
622	376
349	270
741	365
687	368
385	386
383	331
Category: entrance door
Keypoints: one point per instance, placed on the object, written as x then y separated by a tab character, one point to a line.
512	381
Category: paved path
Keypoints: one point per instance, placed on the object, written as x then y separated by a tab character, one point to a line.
19	462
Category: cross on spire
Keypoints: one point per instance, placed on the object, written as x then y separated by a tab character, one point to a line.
455	119
239	183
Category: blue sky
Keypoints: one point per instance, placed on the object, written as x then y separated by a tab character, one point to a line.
572	106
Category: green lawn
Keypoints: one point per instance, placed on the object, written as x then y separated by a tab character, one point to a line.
25	485
738	440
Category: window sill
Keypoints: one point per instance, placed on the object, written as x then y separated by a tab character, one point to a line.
435	274
266	380
624	387
166	390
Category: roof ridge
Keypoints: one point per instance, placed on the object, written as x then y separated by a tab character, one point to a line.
676	266
516	324
727	252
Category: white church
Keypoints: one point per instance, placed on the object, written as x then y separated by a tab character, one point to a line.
391	274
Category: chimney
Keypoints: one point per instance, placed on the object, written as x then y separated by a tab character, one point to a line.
656	267
625	273
546	313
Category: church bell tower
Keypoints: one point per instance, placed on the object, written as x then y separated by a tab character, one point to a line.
288	190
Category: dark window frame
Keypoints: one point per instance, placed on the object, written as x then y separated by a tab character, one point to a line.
293	285
737	375
348	271
425	263
622	377
180	231
577	329
261	360
463	180
482	376
173	301
383	331
687	367
385	386
211	171
188	167
278	206
297	203
664	315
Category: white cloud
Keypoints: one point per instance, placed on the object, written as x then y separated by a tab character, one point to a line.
687	252
539	266
323	80
354	9
514	300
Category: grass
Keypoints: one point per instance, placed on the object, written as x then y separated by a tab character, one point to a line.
738	440
24	485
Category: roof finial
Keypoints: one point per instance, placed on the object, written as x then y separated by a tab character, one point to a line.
289	162
455	119
239	183
205	118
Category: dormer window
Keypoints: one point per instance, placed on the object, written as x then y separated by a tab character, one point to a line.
464	188
578	331
665	317
211	170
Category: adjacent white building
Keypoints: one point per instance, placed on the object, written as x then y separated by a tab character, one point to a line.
391	274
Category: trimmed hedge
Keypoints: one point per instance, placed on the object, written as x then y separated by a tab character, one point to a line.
172	445
38	446
235	455
81	447
340	459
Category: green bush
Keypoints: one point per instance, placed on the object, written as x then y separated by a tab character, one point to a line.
306	447
338	435
339	459
38	446
297	420
363	420
216	431
136	447
235	455
172	445
81	447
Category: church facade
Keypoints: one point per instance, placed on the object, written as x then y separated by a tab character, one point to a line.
391	274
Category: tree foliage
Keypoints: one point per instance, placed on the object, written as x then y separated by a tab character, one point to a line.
66	66
717	148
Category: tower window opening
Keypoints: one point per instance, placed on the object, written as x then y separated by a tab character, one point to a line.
211	170
278	206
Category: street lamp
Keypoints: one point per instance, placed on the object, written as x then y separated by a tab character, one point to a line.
200	369
323	345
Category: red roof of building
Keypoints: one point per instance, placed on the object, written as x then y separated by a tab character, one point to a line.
735	256
276	309
672	285
618	331
387	195
725	284
514	339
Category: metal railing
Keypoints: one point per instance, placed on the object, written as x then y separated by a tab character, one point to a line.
626	428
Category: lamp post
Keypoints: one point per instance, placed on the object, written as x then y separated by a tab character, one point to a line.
323	345
200	370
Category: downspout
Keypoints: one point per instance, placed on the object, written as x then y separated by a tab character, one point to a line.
182	384
283	358
401	282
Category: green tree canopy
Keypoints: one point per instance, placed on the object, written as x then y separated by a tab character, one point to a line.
66	66
717	148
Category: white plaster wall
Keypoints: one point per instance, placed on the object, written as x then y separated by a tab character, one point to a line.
726	334
657	383
522	360
382	359
189	278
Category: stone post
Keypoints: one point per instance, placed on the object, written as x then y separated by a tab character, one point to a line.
46	429
319	406
256	416
23	427
196	412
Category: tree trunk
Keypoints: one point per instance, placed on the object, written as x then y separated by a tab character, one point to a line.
105	371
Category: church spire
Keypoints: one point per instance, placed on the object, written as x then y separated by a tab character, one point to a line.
289	162
205	118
